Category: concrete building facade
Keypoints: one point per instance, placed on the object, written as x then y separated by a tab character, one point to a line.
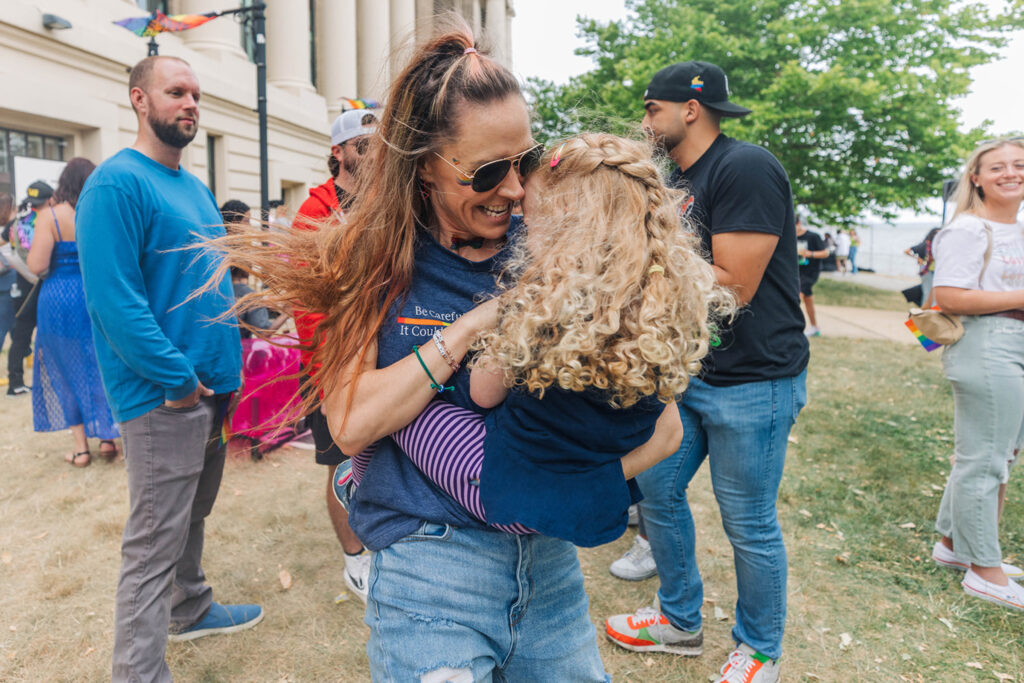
65	90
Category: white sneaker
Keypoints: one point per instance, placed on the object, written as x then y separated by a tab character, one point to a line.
1011	595
812	331
357	574
637	563
947	558
746	665
634	515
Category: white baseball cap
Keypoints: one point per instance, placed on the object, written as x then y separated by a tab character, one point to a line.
351	124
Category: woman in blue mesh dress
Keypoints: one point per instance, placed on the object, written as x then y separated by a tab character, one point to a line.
66	390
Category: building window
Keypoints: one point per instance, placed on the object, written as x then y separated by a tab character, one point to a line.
312	44
245	25
153	5
16	143
211	164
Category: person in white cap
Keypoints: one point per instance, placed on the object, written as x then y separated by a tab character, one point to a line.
350	140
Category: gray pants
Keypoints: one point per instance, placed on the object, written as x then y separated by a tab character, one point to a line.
986	369
174	461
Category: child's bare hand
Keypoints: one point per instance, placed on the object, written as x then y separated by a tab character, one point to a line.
668	435
484	316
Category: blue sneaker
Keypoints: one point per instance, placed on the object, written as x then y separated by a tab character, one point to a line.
221	619
342	483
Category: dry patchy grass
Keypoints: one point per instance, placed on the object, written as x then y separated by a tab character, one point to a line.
870	451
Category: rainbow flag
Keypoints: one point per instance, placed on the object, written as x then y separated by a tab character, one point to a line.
158	22
347	104
927	343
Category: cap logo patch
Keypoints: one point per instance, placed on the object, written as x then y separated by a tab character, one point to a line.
33	192
697	84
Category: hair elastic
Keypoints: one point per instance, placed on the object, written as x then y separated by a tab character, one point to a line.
558	155
469	51
434	384
655	269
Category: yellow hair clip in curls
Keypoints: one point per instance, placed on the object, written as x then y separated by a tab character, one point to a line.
655	269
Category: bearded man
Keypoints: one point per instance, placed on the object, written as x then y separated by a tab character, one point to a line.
168	371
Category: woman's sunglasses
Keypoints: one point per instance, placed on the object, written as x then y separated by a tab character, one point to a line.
489	175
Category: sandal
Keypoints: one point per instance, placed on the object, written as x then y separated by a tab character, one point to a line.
74	459
110	454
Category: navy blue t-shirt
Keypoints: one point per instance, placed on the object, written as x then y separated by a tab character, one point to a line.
394	497
554	464
740	187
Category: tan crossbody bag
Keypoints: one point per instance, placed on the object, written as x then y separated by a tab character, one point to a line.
940	327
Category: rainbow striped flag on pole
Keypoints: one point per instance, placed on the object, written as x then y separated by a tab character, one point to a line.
158	22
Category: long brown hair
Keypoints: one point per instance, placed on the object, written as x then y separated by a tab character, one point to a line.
353	271
71	180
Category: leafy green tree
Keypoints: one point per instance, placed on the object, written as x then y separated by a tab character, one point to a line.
857	98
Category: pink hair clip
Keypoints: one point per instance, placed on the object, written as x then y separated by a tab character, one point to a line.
469	50
558	156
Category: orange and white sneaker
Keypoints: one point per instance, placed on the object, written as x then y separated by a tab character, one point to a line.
746	665
649	631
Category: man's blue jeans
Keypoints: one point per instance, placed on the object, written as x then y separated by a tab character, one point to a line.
742	430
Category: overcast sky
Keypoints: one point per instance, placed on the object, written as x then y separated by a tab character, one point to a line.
544	38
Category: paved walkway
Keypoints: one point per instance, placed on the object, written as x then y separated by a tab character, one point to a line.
894	283
863	323
867	323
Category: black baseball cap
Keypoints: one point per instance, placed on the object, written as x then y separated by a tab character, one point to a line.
39	193
701	81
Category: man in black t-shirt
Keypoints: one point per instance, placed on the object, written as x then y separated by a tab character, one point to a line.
739	412
811	250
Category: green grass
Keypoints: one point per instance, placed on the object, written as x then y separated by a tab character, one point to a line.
869	457
831	292
864	479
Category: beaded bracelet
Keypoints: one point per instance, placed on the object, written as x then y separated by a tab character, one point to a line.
439	388
442	348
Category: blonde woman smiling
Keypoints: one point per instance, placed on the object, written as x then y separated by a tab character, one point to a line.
979	275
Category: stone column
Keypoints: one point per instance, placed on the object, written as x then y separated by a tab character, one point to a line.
403	25
374	32
510	12
336	52
425	18
288	44
476	18
496	26
221	37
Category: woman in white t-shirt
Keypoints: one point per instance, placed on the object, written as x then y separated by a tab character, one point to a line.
979	275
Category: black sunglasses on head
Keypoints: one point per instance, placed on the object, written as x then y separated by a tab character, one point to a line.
489	175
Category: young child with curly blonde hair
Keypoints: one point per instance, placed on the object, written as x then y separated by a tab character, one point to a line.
601	322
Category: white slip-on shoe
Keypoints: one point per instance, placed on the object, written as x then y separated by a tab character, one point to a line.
947	558
1011	595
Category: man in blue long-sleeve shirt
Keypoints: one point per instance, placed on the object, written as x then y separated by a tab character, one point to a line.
168	366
